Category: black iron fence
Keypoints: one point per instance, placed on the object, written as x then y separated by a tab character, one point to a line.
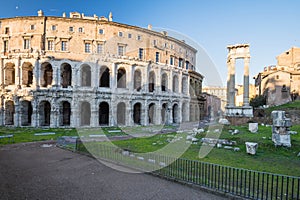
241	182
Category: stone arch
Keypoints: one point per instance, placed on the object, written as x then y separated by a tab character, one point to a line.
104	77
151	113
26	113
86	75
9	112
137	113
121	78
9	72
175	84
45	113
175	113
65	113
27	74
121	114
192	113
137	84
164	114
184	112
184	86
192	87
85	113
151	85
46	74
103	113
66	75
164	82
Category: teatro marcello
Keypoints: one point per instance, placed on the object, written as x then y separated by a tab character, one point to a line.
79	70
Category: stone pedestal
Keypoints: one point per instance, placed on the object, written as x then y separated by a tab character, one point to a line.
253	127
281	129
251	147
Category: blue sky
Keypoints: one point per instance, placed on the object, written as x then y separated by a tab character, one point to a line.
271	27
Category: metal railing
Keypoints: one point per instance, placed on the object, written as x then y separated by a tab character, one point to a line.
241	182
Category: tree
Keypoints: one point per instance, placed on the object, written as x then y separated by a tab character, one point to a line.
257	101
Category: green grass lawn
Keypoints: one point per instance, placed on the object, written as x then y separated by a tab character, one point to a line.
280	160
27	134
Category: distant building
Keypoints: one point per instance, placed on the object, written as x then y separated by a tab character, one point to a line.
280	83
212	105
220	92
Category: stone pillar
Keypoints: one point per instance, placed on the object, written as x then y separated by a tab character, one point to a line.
231	82
246	82
37	74
35	111
17	111
145	114
113	76
94	114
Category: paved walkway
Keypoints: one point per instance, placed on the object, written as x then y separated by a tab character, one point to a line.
29	171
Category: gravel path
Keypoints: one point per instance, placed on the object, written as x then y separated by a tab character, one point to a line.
29	171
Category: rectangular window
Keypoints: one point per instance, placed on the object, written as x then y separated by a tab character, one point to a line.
120	34
71	29
32	27
171	60
64	45
87	47
166	45
80	30
100	48
180	62
0	24
53	27
141	53
121	50
26	43
6	30
157	57
50	45
172	46
129	35
154	42
101	31
139	37
5	42
186	64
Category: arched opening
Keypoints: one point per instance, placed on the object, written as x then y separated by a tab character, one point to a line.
175	84
9	74
151	81
103	113
27	74
121	114
175	113
9	112
192	113
104	77
65	113
151	113
26	113
164	113
45	113
86	76
137	110
137	84
121	78
184	85
164	82
66	75
192	88
85	117
184	112
46	75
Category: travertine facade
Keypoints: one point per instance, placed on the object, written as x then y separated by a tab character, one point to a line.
90	71
280	83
